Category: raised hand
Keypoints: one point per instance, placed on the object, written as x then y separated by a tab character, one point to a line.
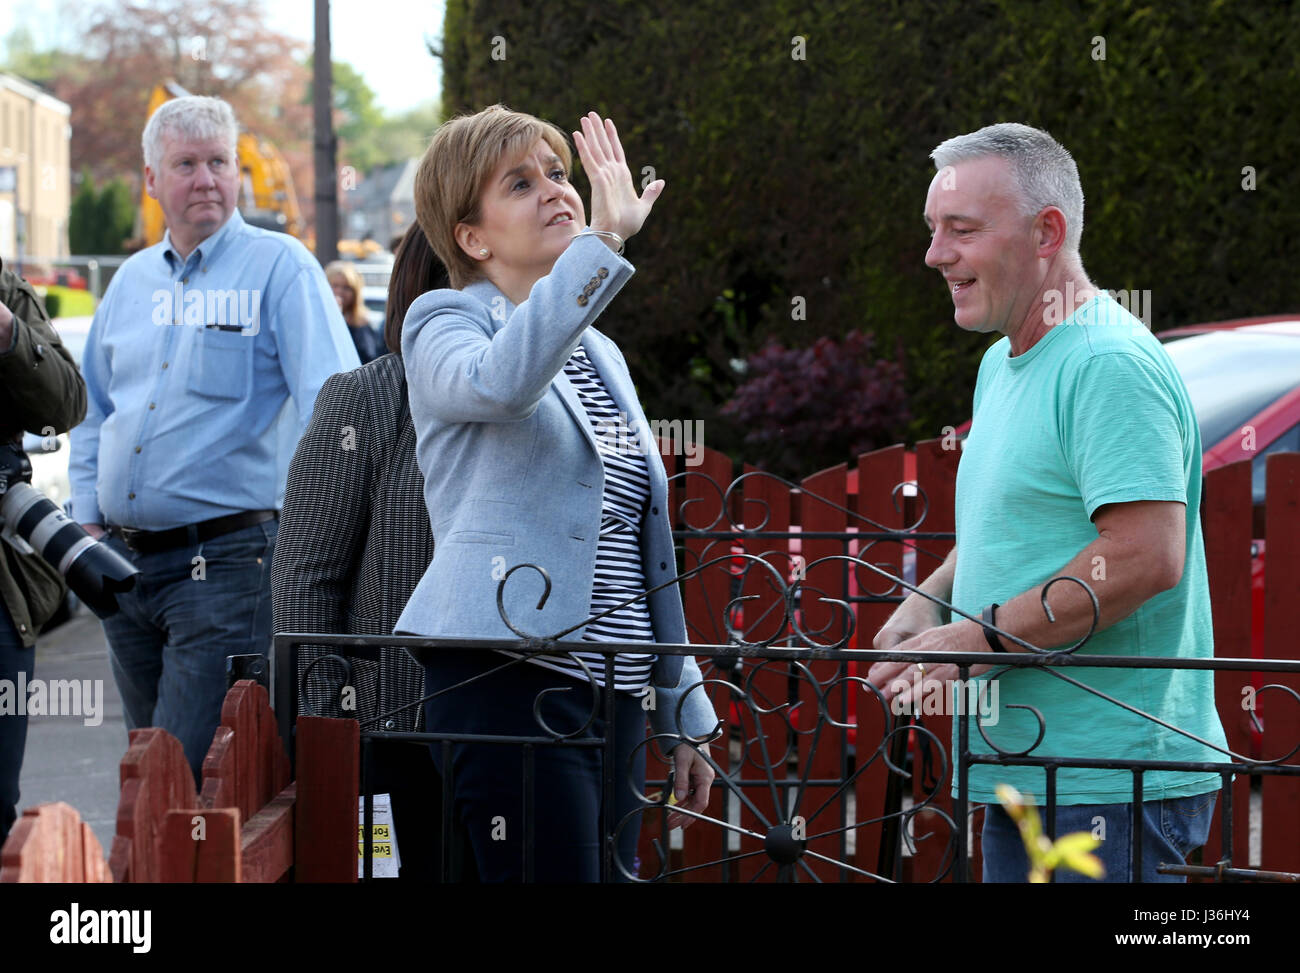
615	205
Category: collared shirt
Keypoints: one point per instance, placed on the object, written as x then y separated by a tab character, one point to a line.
201	375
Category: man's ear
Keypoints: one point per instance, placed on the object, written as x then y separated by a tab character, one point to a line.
1050	226
149	186
469	240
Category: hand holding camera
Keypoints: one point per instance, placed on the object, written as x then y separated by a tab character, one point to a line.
32	524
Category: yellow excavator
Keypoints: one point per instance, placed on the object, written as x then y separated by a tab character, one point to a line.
267	199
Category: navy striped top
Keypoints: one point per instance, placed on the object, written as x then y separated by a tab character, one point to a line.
619	574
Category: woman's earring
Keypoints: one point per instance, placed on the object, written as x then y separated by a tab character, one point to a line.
482	253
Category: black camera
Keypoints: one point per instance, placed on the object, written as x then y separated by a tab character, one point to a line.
33	524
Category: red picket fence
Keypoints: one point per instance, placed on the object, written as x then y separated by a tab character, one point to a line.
836	501
1227	523
248	823
257	826
51	843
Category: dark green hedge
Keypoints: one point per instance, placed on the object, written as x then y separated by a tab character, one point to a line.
101	221
806	178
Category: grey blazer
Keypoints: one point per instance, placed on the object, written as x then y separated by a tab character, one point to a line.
512	472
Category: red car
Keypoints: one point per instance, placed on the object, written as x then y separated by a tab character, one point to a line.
1244	380
59	277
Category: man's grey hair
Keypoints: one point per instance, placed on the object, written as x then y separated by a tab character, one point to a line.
1043	168
191	118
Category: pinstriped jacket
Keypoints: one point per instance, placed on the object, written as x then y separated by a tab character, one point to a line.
354	537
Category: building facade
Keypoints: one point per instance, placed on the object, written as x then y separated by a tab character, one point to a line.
381	205
35	173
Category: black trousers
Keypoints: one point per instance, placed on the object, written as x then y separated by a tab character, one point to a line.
567	792
14	659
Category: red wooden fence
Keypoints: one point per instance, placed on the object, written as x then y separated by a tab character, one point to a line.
1227	527
936	480
248	823
832	501
1281	795
256	826
51	843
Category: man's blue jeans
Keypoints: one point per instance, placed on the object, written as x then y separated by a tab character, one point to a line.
14	659
193	606
1171	830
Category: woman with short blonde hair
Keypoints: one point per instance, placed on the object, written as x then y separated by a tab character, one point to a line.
510	388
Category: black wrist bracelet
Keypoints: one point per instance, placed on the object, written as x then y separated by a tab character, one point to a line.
989	617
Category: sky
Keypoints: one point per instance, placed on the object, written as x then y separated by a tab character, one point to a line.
383	39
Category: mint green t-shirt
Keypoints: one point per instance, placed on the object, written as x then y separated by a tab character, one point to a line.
1094	413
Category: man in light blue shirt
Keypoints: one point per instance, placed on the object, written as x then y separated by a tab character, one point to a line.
202	367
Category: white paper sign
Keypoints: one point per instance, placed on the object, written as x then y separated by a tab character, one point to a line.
385	860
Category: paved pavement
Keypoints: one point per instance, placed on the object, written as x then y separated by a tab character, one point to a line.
66	759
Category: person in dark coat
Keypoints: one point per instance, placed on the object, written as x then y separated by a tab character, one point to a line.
41	391
354	541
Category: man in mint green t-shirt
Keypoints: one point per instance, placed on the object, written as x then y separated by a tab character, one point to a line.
1083	459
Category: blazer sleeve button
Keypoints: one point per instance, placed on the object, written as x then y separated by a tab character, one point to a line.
603	272
582	300
663	565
